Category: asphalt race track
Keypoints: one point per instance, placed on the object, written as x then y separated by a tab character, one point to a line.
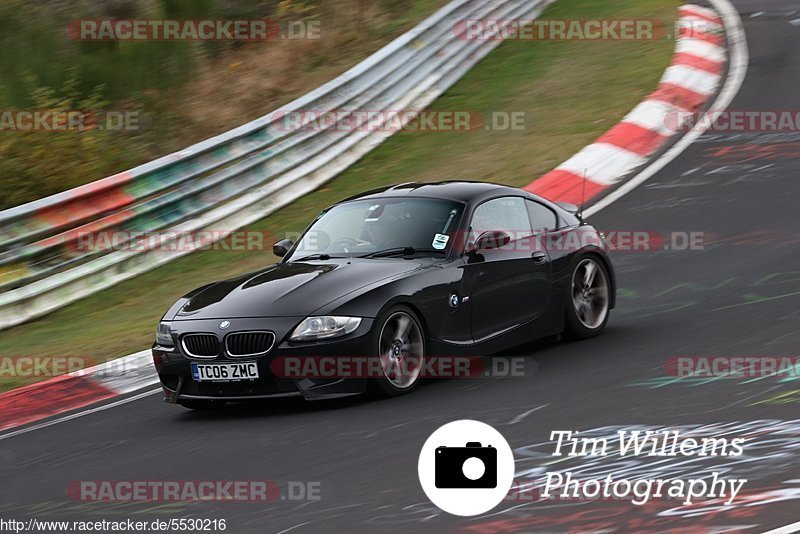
739	296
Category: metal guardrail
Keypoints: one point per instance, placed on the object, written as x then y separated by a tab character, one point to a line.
235	178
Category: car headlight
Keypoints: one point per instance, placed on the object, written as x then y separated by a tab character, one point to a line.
163	337
324	327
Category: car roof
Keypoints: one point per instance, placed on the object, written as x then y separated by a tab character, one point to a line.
461	191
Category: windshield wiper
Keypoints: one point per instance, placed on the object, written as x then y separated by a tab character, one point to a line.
400	251
310	257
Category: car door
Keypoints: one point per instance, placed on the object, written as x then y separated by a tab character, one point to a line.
510	285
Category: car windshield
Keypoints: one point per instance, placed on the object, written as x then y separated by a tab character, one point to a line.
380	228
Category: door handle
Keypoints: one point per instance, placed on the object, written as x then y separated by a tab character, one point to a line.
539	257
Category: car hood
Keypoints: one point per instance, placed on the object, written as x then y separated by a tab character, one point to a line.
286	289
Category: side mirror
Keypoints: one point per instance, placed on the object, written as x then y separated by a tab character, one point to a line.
490	240
282	247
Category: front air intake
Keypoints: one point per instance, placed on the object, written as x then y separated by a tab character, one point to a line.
243	344
200	345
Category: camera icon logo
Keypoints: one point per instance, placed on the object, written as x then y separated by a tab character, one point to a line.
466	468
472	466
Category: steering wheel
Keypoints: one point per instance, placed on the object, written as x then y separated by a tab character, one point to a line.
345	242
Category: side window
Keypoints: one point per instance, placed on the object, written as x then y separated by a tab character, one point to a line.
506	214
542	217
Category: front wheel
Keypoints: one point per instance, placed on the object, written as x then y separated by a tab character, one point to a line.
588	305
399	342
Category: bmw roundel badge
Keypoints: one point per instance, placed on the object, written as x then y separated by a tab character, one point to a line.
454	301
224	324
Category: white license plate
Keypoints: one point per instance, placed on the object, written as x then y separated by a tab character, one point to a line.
224	372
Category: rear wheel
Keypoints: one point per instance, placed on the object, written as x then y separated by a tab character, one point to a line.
588	300
399	342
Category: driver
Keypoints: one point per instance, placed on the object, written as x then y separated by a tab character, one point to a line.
380	231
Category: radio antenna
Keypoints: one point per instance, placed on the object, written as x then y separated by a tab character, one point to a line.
583	196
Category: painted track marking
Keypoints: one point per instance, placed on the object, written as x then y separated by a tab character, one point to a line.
76	415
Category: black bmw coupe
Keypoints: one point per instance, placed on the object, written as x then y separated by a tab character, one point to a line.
394	277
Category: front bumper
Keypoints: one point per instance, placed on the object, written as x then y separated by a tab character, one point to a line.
174	366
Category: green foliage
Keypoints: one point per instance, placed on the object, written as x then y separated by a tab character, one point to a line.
34	39
43	68
36	163
295	10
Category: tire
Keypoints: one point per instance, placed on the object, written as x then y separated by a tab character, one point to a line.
201	404
400	343
587	299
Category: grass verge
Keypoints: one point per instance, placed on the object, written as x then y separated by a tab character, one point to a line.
570	92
